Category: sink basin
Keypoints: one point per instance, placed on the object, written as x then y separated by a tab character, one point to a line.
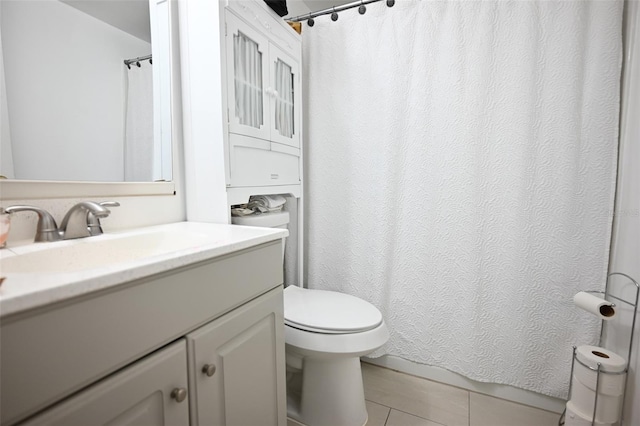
103	251
38	274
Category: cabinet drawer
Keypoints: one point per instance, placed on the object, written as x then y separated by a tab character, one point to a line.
253	166
52	352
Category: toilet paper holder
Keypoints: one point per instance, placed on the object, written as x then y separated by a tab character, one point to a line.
598	370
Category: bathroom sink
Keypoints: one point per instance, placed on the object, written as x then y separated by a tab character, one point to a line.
103	251
37	274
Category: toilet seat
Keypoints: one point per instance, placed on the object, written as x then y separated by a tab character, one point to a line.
328	312
323	345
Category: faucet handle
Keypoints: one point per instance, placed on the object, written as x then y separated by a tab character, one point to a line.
93	222
47	229
110	204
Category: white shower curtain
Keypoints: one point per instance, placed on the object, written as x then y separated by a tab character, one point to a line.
139	141
461	159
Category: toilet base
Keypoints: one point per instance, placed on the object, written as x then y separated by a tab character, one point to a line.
327	391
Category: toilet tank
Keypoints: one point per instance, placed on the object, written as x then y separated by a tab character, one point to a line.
265	220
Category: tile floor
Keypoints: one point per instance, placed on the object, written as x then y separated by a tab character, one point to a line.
398	399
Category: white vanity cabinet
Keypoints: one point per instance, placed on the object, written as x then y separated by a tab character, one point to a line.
262	60
136	353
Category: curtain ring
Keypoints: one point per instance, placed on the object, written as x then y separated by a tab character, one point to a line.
310	21
334	15
390	3
362	9
138	64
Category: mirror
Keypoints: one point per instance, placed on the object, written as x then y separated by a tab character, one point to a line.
71	109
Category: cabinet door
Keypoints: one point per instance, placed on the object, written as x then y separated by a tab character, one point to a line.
284	92
237	368
247	78
150	392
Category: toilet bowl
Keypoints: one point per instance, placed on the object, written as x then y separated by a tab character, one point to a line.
326	333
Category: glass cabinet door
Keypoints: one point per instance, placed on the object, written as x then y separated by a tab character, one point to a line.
284	91
246	80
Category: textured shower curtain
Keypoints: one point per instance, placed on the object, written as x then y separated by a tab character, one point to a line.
139	143
461	158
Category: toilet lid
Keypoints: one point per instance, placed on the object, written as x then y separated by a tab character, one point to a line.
328	312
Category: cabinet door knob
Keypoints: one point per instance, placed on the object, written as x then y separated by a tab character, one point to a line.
179	394
209	369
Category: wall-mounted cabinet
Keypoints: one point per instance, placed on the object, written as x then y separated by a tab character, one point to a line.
261	69
263	86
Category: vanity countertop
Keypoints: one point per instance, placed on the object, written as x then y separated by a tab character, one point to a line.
40	274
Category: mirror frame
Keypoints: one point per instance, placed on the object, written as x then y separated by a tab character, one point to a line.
18	189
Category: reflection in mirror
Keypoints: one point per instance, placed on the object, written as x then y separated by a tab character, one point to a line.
71	109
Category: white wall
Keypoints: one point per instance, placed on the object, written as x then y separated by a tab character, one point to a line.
202	111
73	61
6	155
297	8
625	249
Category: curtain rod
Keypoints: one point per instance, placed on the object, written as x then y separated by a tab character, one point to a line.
334	10
137	60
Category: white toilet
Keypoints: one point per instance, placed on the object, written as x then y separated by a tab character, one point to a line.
326	333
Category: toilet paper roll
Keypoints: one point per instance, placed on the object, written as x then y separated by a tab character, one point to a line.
610	386
594	305
573	417
609	361
582	398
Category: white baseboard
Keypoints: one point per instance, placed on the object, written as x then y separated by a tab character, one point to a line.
441	375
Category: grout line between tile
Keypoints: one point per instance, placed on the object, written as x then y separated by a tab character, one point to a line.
406	412
510	402
411	414
418	377
377	403
401	411
388	415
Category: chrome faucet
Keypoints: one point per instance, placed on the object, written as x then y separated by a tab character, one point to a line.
93	222
47	229
76	222
82	220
